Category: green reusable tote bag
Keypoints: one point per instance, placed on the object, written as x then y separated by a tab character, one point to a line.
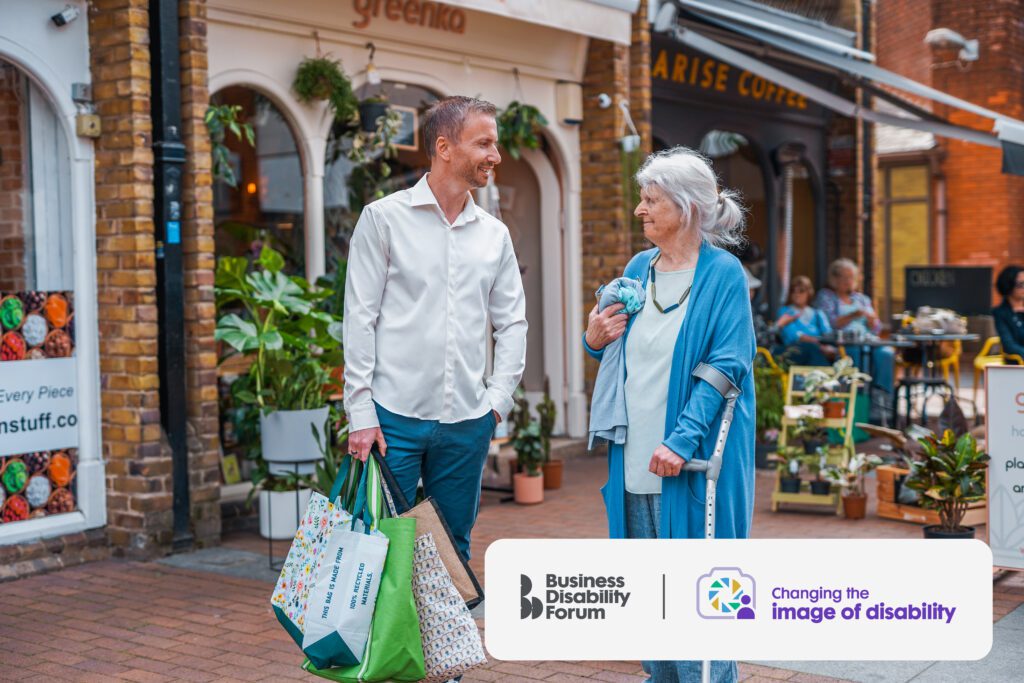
395	648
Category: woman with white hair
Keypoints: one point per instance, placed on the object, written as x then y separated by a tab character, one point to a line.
850	310
696	310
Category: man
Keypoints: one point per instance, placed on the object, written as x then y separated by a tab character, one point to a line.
427	270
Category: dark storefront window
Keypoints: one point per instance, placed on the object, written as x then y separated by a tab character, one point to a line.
906	234
266	205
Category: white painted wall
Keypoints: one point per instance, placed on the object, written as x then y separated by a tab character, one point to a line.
54	58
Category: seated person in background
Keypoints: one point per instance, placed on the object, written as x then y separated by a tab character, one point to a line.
802	327
851	311
1009	315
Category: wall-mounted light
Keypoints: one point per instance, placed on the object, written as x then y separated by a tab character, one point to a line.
66	15
948	39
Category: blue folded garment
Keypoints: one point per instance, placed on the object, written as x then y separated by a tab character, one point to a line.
608	405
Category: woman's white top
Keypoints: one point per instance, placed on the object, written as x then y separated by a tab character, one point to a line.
649	348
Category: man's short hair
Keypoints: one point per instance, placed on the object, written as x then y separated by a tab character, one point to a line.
447	117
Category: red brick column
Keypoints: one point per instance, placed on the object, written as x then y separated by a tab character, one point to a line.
200	264
13	140
138	464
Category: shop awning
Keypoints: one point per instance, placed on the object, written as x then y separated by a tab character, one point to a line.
604	19
830	50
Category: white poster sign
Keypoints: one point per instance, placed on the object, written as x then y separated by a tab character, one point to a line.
759	599
1004	399
38	405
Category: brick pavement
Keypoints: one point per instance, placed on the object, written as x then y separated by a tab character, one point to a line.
130	621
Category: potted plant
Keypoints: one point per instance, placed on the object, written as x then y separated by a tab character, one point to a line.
519	128
821	383
811	433
528	483
790	460
768	412
371	111
816	464
322	78
949	477
850	477
276	322
546	413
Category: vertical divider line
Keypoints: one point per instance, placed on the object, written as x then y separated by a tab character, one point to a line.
663	597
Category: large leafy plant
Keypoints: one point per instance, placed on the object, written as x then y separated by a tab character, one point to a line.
519	128
770	401
277	320
950	476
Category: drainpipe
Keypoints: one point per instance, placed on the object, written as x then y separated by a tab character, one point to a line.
867	169
168	159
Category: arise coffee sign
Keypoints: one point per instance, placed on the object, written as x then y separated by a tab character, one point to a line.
436	15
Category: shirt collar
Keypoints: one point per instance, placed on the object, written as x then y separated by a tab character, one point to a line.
422	195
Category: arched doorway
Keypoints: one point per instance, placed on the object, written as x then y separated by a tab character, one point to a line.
266	204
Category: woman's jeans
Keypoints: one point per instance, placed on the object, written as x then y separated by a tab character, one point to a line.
643	515
882	365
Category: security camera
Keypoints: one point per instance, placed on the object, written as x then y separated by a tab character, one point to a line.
945	38
666	17
66	15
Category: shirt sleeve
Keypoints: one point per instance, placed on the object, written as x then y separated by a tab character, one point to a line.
731	353
364	289
823	326
506	306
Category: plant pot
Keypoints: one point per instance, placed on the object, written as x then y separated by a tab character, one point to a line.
811	445
936	531
789	484
278	518
552	471
528	490
369	112
821	488
834	409
855	507
286	437
761	453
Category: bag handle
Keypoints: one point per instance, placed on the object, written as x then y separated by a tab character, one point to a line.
345	474
400	503
369	498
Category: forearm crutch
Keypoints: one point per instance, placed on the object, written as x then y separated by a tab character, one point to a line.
713	465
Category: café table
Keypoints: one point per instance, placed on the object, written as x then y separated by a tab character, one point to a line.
931	378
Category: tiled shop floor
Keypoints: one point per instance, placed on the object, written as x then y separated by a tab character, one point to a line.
149	622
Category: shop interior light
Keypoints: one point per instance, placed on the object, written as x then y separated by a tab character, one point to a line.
251	188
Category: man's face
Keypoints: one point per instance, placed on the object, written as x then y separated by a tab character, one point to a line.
475	155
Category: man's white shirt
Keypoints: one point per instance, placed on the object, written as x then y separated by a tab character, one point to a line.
420	296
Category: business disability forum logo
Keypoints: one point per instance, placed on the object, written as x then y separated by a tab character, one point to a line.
577	597
726	593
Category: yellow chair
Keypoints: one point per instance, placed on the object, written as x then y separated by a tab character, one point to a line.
989	355
770	360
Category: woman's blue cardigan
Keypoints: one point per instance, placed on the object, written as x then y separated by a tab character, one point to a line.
717	330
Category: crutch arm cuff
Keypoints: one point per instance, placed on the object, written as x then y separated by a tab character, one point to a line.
717	379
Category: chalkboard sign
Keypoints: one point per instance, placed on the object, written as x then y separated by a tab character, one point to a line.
964	289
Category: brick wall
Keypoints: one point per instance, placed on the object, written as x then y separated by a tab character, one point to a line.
199	264
981	200
640	107
12	184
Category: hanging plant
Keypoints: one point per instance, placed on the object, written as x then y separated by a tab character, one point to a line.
221	118
370	152
371	110
321	78
519	128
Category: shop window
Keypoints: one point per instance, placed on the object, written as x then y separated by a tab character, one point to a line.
905	233
38	461
266	204
347	188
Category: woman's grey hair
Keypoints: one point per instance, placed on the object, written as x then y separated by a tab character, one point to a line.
836	268
686	177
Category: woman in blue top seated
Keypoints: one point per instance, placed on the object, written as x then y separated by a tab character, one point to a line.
852	311
802	327
1009	315
696	310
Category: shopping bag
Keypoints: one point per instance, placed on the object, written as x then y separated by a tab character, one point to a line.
430	520
340	582
451	641
394	651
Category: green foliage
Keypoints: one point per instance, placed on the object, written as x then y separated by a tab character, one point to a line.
519	128
821	383
951	475
851	475
809	431
322	78
370	153
770	401
546	413
791	460
529	448
221	119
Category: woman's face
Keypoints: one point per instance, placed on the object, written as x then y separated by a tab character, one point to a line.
801	295
1018	292
846	281
661	217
